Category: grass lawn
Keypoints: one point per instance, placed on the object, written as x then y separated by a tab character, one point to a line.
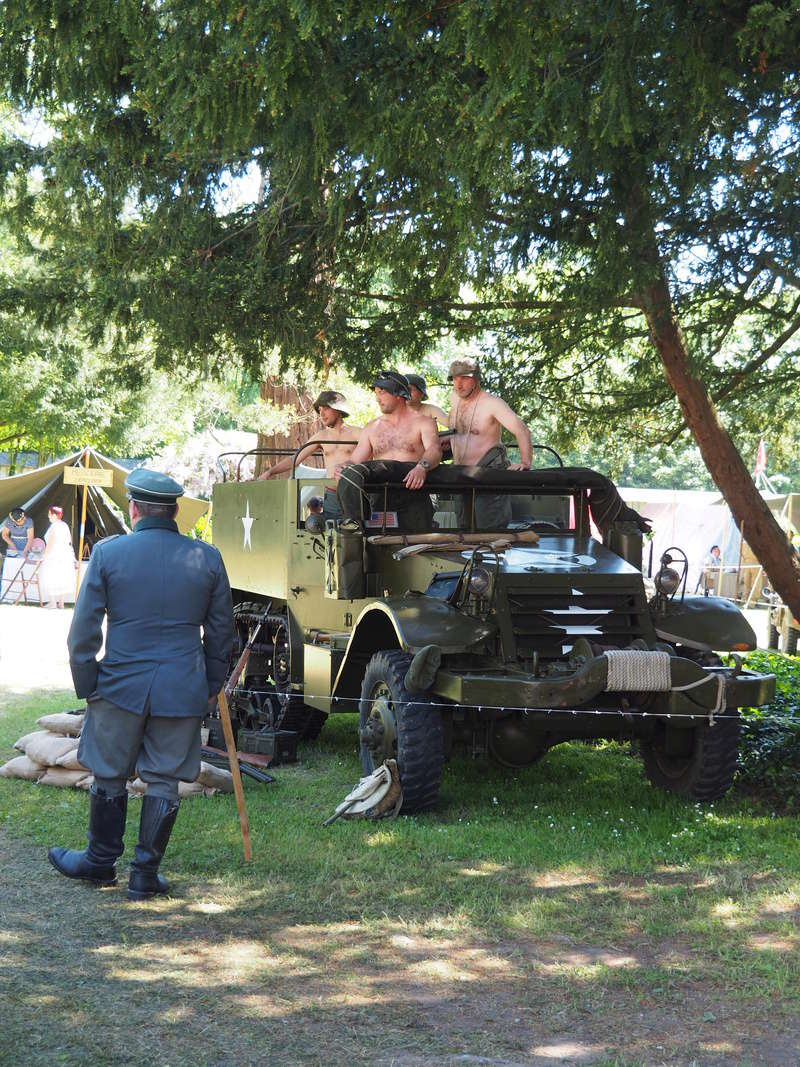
566	914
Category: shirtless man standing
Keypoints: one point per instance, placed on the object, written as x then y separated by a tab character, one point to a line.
478	418
399	446
419	394
332	410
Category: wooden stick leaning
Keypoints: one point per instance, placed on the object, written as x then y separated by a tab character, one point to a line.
233	760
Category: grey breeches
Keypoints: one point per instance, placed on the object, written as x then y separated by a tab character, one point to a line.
492	511
163	749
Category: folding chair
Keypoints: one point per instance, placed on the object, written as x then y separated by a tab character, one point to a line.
18	577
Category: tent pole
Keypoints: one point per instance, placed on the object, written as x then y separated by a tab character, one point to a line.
83	528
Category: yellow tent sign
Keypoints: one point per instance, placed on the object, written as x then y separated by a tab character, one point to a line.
88	476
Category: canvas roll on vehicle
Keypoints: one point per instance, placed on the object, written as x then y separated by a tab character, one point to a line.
507	640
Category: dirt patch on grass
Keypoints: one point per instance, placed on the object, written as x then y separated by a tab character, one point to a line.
211	979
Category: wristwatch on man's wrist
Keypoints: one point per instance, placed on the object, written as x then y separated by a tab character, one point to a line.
424	464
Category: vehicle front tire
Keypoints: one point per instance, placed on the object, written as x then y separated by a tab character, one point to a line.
701	765
396	724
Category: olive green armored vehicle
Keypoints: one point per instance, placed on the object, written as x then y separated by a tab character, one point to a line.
507	634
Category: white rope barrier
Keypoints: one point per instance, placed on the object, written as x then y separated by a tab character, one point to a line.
615	712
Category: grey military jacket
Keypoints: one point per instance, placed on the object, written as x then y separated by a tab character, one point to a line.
158	590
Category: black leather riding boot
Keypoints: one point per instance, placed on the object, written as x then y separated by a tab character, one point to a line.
155	825
106	828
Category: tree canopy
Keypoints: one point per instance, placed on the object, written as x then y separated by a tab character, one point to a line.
606	194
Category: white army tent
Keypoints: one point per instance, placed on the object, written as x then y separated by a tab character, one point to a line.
40	489
750	576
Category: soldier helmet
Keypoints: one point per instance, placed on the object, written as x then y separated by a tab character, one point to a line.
330	398
467	367
419	381
152	487
393	382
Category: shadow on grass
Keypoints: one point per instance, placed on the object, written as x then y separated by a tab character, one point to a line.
568	913
221	978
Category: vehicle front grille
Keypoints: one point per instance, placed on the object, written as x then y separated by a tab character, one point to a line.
551	620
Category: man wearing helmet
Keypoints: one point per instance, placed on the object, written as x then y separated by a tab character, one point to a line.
336	440
402	444
419	399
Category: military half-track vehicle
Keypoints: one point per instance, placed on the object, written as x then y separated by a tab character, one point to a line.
783	628
439	631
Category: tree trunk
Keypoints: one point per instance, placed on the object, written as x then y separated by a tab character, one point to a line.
304	425
751	514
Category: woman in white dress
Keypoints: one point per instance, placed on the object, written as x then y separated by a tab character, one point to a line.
57	574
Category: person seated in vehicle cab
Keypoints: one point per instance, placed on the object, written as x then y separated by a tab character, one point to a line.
399	446
336	441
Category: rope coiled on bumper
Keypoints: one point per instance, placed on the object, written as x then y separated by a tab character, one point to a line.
632	670
638	671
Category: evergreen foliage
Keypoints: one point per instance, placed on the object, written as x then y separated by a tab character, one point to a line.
497	170
604	194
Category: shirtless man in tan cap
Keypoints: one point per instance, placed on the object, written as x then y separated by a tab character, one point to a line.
478	419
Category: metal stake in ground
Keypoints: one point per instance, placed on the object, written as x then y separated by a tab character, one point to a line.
233	759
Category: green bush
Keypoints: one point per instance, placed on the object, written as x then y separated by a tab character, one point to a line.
769	754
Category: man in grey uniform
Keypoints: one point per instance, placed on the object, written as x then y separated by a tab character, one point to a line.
146	698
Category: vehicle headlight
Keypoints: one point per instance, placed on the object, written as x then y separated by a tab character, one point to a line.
667	580
480	581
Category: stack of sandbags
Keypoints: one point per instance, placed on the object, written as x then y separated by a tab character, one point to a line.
50	757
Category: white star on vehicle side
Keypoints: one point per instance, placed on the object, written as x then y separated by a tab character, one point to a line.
247	522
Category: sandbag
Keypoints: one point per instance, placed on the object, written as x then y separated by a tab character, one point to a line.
62	723
70	761
185	789
189	789
60	776
23	741
215	777
22	767
45	747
